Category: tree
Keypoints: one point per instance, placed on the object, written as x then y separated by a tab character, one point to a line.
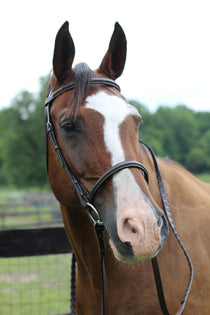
179	133
22	144
198	159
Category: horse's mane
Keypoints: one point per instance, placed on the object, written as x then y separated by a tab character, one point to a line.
82	78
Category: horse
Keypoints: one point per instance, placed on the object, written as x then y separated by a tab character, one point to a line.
100	173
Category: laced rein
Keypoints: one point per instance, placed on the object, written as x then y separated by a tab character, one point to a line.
86	197
170	220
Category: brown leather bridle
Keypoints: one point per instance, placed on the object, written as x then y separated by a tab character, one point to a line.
86	198
84	195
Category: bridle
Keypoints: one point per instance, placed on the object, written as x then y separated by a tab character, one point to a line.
83	194
87	197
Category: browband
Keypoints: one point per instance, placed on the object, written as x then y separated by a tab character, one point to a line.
71	86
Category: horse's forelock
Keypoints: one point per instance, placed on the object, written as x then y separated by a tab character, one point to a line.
82	78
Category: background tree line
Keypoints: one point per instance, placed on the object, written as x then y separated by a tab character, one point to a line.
178	133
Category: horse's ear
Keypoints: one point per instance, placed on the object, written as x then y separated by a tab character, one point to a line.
64	52
114	60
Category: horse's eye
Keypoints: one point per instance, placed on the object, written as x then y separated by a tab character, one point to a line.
68	127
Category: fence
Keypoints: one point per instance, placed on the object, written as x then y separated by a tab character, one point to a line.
34	262
34	271
29	209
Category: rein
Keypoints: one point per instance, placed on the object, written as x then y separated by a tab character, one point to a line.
86	198
154	261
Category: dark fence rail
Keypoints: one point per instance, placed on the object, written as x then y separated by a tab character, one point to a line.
33	242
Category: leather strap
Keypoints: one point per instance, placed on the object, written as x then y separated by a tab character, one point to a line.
159	286
170	220
115	169
72	286
99	232
70	86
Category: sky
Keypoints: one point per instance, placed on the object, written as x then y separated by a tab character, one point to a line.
168	46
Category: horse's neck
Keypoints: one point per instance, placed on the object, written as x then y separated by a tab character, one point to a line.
80	232
176	178
82	237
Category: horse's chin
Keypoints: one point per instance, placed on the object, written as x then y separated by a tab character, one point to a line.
128	259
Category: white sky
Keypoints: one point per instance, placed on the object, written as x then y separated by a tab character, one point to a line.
168	58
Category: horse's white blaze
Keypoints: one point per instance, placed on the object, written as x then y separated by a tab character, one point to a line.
129	195
114	111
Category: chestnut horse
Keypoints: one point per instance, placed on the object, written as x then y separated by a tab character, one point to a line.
94	130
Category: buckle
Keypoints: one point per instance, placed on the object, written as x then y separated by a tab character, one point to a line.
93	214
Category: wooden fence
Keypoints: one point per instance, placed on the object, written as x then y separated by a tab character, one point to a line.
34	217
35	255
32	209
27	242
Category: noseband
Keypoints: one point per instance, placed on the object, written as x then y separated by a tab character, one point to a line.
87	197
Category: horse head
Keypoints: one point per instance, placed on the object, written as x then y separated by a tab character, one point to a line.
96	128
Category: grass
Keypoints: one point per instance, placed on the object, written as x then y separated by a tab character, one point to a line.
35	285
205	177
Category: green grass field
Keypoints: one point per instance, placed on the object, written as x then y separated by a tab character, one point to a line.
35	285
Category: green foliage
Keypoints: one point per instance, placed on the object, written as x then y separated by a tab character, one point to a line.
179	133
22	142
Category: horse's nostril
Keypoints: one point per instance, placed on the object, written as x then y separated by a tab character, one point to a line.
133	230
130	226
